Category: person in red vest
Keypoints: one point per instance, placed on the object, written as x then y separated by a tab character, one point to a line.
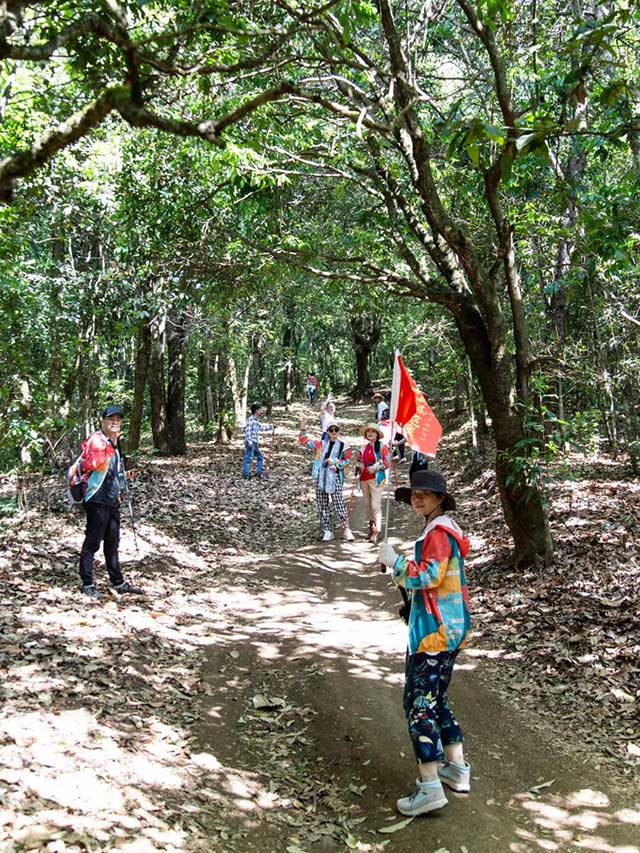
372	463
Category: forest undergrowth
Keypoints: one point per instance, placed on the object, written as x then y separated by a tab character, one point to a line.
563	641
97	749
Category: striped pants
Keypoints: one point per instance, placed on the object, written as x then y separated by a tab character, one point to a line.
338	504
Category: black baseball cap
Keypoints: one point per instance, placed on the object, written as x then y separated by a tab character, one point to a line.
113	410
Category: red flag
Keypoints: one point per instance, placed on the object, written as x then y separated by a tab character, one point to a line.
410	408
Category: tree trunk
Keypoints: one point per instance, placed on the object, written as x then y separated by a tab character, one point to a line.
471	405
287	373
176	337
363	375
222	376
239	389
523	505
365	333
205	395
288	350
143	350
157	392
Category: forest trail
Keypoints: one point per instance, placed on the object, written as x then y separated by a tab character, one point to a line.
317	638
251	700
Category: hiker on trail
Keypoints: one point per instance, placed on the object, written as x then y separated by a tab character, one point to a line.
400	446
312	387
372	463
419	462
382	407
102	471
438	628
332	457
328	415
252	432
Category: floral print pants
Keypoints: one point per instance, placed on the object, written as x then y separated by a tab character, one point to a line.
432	724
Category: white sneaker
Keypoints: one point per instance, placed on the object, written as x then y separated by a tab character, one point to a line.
456	776
348	535
328	536
428	797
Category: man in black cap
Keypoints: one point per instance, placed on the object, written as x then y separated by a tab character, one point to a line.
103	475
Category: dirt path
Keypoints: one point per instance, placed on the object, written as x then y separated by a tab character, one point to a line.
306	696
252	702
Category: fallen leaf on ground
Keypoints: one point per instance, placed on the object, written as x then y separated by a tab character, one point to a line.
535	789
395	827
262	702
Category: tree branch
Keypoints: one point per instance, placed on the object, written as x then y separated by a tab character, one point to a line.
119	98
43	149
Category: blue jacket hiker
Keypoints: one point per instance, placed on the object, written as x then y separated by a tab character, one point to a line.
439	624
331	458
252	432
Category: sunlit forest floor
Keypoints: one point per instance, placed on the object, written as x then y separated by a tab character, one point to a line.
109	709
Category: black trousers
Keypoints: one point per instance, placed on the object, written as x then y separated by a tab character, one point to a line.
103	525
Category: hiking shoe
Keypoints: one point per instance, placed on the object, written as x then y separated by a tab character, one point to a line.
456	776
90	590
126	589
347	535
328	536
427	797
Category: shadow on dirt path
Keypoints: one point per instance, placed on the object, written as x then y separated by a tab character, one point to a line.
305	692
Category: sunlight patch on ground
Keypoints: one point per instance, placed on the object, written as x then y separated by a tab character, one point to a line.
574	819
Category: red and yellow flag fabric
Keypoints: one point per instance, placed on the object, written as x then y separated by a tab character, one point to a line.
409	407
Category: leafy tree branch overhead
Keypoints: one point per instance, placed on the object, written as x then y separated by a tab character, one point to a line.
121	60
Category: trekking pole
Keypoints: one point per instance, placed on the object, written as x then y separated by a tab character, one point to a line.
394	465
126	491
353	486
268	465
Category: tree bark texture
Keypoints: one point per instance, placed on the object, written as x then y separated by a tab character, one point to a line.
157	393
176	339
143	351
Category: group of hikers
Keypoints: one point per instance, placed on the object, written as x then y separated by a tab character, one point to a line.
331	458
432	578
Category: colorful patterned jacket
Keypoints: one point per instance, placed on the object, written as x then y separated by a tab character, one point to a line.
97	451
328	477
439	619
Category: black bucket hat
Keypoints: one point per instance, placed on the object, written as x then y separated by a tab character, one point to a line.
113	410
427	481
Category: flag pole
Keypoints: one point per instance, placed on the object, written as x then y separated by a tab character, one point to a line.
386	514
393	406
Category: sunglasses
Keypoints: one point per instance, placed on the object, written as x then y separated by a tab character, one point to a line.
332	429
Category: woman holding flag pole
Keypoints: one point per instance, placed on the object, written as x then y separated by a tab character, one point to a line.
438	617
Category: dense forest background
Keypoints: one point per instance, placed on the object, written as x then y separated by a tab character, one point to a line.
205	201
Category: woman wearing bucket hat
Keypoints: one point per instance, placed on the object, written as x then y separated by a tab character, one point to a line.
371	465
438	627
